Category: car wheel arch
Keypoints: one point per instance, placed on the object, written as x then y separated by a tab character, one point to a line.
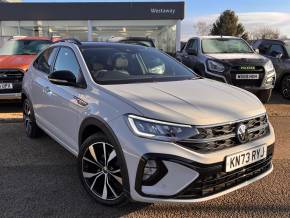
93	125
282	77
280	84
101	126
23	97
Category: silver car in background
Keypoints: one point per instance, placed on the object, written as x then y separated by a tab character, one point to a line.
143	126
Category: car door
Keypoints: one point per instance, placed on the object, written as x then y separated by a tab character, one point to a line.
190	54
38	93
66	104
278	62
286	62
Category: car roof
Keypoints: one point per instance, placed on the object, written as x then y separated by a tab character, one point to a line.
94	44
137	38
217	37
271	40
110	44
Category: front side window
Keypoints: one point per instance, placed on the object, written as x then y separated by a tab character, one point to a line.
225	45
126	65
66	60
264	47
23	47
192	45
275	50
45	60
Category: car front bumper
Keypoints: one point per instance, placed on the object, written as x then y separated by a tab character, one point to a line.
10	96
13	77
186	169
267	82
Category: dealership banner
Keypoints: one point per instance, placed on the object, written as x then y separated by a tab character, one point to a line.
92	11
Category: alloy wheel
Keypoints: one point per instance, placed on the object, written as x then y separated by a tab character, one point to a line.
27	117
101	171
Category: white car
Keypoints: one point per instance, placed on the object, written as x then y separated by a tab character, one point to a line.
145	127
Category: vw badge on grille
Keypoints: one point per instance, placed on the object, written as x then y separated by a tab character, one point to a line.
242	133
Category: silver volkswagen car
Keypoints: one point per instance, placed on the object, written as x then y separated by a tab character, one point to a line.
143	126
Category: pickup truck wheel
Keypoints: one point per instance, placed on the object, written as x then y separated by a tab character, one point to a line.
100	171
265	95
31	128
285	87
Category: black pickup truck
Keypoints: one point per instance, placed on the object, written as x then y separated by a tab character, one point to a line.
231	60
279	52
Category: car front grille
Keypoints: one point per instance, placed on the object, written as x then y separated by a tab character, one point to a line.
12	76
220	137
211	183
247	82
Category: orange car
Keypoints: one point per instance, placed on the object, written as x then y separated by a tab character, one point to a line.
16	55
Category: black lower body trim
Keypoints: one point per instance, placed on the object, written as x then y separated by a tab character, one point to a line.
212	178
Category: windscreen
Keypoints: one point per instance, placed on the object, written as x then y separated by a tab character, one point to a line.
111	65
23	47
225	45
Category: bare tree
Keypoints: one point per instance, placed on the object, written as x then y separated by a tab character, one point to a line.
265	32
202	28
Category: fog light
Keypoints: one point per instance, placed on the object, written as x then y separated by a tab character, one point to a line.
150	169
270	80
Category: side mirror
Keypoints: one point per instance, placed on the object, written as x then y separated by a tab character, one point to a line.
191	52
63	77
257	50
278	55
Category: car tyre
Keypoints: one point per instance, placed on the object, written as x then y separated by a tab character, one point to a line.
265	95
100	171
31	128
285	87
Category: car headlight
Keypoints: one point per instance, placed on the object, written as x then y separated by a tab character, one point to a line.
160	130
215	66
269	66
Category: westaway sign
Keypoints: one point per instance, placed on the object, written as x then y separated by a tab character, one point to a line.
162	11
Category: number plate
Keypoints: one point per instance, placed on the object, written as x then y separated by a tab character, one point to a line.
6	86
247	76
245	158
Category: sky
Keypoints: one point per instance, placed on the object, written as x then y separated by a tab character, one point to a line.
252	13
